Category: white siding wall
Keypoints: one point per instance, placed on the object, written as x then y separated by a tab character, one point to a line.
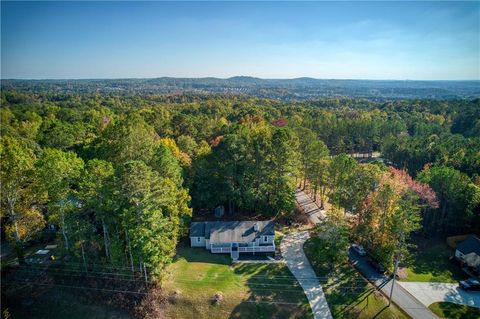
472	259
197	241
266	239
202	242
458	254
262	241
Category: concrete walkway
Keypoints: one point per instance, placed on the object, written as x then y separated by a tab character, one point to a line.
315	214
297	262
404	299
430	292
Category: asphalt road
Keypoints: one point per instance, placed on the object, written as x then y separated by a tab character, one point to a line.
401	297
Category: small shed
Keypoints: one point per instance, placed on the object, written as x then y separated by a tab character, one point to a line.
468	252
40	257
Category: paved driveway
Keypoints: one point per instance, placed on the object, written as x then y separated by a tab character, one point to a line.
310	208
297	262
430	292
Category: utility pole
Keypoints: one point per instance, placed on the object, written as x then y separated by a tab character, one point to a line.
394	277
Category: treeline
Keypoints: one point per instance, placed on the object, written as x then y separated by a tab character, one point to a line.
115	174
124	203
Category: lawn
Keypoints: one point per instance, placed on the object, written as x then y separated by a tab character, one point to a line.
453	311
430	263
249	290
348	294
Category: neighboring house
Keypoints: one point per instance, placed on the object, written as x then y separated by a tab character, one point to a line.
468	252
234	237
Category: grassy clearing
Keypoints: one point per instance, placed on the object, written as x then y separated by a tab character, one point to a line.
348	294
430	263
197	275
453	311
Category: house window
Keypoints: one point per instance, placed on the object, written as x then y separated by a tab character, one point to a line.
198	239
265	239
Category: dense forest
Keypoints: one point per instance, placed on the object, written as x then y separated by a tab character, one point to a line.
303	88
118	177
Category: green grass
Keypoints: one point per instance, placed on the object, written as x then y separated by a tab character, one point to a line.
348	294
248	289
453	311
430	263
278	237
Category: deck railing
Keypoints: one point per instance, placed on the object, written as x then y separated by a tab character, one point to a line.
221	249
256	249
251	249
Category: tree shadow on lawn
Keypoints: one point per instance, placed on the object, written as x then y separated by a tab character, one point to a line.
274	293
380	312
454	311
432	257
349	295
346	292
200	254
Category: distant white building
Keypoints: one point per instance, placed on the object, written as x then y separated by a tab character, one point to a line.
234	237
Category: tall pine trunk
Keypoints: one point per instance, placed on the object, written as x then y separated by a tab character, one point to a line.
106	240
129	249
64	231
83	256
443	226
16	236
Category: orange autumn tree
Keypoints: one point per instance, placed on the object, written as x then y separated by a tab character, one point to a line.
391	213
182	157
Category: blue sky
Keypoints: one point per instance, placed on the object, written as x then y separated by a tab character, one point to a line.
354	40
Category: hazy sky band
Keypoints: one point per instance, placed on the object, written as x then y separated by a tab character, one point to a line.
368	40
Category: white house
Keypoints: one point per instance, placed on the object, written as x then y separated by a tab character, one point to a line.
468	252
234	237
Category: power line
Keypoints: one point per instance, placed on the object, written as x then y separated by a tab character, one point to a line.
253	286
50	268
269	277
255	278
78	287
139	293
254	282
85	275
97	265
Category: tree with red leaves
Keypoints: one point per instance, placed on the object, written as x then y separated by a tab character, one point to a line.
216	141
423	190
280	122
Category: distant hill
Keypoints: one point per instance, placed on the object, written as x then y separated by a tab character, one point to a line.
286	89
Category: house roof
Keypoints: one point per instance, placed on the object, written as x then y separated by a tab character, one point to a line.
197	229
232	231
469	245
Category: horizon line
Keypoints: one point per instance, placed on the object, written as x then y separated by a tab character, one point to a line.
232	77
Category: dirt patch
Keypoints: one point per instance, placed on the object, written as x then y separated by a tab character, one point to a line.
402	273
